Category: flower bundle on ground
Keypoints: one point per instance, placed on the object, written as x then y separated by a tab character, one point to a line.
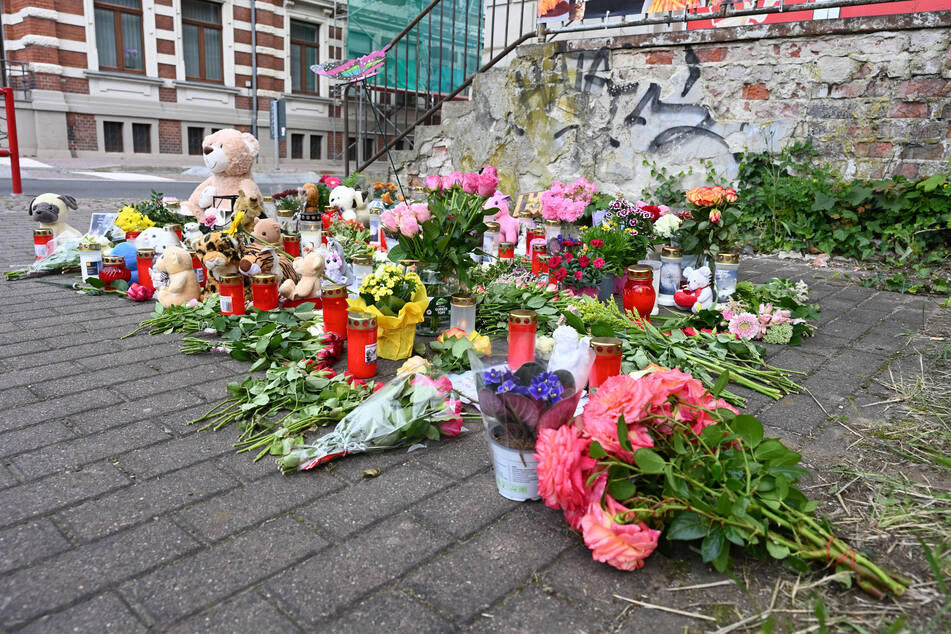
661	457
451	349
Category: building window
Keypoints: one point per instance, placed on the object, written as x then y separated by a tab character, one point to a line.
195	137
201	39
141	138
119	35
303	55
316	141
352	147
369	148
297	146
112	135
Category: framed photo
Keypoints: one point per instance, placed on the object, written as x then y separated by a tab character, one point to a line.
100	223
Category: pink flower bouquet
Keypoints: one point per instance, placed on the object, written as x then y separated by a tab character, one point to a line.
566	203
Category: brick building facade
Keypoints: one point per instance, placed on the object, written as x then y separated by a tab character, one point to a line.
153	77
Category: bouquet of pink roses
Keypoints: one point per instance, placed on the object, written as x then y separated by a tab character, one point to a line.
660	456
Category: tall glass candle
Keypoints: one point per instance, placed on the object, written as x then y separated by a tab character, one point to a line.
143	263
552	231
638	295
607	360
543	272
291	244
506	250
334	298
727	273
522	327
671	259
490	241
198	267
462	313
90	259
42	243
311	232
231	290
270	209
285	218
264	291
361	345
375	208
361	268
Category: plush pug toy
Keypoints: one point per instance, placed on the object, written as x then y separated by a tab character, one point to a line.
51	210
182	285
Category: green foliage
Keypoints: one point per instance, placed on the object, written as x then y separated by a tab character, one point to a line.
156	210
494	306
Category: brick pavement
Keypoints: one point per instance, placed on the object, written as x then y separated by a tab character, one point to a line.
117	516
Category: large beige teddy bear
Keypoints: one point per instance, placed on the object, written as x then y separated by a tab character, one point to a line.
229	155
182	287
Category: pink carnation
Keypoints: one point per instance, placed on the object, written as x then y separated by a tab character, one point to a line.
470	182
624	546
433	183
619	395
598	263
563	469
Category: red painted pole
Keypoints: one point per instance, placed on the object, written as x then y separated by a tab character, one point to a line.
12	135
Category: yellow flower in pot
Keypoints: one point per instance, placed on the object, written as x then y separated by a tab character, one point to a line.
398	300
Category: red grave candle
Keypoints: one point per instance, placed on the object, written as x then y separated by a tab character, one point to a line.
506	250
113	270
607	360
537	250
200	273
638	294
131	235
42	243
361	345
291	244
334	299
231	290
522	326
143	262
264	291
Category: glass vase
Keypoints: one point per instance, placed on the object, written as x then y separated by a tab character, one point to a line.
439	288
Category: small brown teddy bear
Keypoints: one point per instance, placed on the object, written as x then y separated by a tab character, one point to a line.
312	194
182	283
260	258
311	270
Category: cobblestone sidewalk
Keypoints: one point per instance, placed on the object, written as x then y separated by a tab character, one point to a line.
117	516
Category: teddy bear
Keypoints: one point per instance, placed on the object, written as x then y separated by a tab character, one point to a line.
228	155
508	226
51	210
182	287
311	197
252	206
698	294
310	268
220	253
156	238
191	232
259	258
351	203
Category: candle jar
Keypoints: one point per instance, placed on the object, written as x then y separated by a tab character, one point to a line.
42	243
727	273
291	244
177	229
638	295
543	272
198	267
144	259
655	273
375	208
671	260
535	236
552	231
311	232
334	298
462	312
90	259
285	218
131	235
607	360
264	291
113	270
231	290
490	240
270	209
537	250
362	266
506	250
522	326
361	345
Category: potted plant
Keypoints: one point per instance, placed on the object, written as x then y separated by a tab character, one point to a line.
397	299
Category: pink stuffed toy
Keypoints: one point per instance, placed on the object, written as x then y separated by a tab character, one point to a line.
508	226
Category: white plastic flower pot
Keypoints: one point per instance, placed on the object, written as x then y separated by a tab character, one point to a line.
516	472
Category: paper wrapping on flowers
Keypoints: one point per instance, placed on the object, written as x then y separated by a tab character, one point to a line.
395	335
408	409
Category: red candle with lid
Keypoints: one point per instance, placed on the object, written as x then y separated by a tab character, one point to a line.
291	244
522	327
638	295
361	345
506	250
42	243
264	291
538	250
231	292
334	298
200	273
143	263
607	360
113	270
131	235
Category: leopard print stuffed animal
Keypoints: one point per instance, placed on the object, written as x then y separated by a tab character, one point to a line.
220	253
260	258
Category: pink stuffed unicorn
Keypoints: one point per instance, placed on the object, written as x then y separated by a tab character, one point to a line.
508	226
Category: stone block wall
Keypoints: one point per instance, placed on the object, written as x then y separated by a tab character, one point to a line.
872	94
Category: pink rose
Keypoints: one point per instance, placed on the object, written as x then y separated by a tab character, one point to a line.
470	182
408	225
624	546
488	181
389	221
443	384
454	178
453	426
421	211
433	183
139	293
563	470
715	216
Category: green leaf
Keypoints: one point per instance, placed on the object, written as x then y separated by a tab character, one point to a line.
602	329
259	364
575	322
776	551
712	545
460	346
687	525
735	535
596	451
724	504
721	383
621	489
749	428
712	435
649	461
240	355
535	302
261	346
624	441
95	282
775	452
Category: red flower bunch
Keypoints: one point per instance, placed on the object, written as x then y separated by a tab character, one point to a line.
579	266
285	194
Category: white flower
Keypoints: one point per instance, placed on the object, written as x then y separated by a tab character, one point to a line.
802	291
667	225
543	346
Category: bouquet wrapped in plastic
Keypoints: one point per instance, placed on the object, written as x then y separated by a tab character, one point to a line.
408	409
